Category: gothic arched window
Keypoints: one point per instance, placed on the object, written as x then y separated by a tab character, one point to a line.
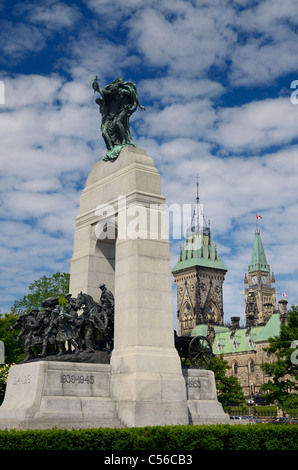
251	366
187	317
235	368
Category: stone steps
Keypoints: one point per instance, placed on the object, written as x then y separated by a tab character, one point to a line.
67	424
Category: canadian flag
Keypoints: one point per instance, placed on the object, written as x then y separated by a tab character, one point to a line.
259	216
284	294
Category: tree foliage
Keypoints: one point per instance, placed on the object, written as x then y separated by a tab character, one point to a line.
3	380
55	285
13	352
283	383
228	388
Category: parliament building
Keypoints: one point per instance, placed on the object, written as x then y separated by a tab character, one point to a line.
199	276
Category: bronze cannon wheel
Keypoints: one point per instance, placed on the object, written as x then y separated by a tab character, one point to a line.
200	351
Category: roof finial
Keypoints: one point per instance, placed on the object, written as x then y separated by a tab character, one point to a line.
197	199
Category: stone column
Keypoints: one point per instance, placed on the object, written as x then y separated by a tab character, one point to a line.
146	379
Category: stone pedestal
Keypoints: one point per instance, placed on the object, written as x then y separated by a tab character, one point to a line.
202	402
47	394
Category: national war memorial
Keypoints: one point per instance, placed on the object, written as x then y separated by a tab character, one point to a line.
106	354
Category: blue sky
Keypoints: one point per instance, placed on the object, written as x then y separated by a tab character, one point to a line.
215	77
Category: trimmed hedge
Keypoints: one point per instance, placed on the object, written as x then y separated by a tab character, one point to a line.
239	410
266	411
182	438
260	411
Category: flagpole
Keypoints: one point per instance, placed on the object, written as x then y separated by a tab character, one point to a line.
257	224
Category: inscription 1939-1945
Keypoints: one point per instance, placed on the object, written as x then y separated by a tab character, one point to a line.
80	379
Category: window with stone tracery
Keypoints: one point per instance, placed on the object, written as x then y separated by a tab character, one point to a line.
187	319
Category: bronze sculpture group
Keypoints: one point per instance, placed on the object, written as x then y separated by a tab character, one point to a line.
70	326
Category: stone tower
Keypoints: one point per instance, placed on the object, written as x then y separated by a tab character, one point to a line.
199	275
146	382
260	296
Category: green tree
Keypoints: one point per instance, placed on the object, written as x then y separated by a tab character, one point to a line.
54	286
3	380
283	383
228	388
13	352
12	349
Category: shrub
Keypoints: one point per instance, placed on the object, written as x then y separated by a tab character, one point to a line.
3	379
166	438
266	411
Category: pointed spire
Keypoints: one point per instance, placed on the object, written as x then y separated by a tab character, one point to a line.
198	199
258	258
198	249
196	222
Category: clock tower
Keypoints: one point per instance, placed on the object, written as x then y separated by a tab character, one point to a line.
259	292
199	275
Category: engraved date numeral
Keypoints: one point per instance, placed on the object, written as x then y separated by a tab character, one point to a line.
194	383
25	379
80	379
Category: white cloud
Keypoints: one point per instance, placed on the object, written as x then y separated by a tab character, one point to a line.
31	90
18	40
257	125
90	54
26	254
268	37
255	63
51	14
184	120
33	26
188	42
170	90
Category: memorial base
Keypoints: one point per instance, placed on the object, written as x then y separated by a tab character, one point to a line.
148	386
203	406
48	394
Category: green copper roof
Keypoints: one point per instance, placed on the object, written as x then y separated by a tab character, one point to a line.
199	250
241	341
271	329
258	256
